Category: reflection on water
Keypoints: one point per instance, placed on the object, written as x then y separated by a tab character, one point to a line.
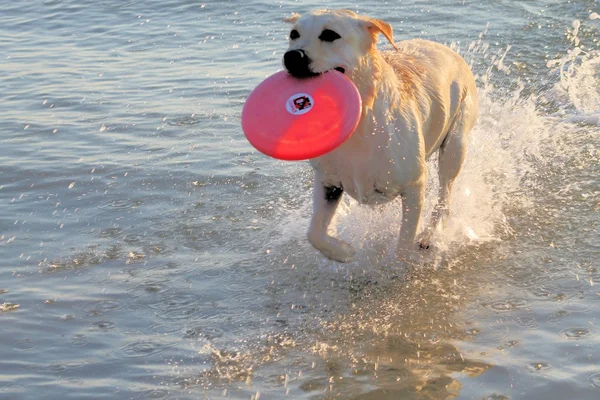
149	252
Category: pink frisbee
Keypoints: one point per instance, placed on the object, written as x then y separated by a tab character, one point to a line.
298	119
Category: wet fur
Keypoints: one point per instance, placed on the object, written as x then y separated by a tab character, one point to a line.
417	99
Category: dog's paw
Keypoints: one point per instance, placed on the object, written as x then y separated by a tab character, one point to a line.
333	248
339	250
425	241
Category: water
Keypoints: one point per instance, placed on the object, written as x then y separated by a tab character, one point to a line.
149	252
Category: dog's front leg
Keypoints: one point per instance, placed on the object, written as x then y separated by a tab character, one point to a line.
412	203
325	202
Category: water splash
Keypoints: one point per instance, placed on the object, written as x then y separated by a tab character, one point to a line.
509	151
576	93
515	155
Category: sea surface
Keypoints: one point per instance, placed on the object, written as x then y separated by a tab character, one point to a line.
147	251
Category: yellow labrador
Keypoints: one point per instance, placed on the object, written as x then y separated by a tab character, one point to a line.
417	99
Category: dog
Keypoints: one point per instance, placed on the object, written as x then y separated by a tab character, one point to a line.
417	99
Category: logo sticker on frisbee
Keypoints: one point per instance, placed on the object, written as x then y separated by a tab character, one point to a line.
299	103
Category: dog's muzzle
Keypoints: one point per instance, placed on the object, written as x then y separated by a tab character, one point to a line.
297	63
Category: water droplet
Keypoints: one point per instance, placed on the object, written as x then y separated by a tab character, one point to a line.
5	307
538	366
473	331
134	257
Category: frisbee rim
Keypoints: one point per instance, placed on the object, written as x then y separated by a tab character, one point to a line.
307	148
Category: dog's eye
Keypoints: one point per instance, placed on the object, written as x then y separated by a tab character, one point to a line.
294	34
329	36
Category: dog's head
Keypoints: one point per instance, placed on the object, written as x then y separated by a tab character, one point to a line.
324	40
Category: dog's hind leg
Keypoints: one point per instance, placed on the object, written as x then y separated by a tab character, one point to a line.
451	156
325	202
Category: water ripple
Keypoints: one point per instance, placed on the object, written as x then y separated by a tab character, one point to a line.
103	326
25	345
153	394
527	322
179	305
576	333
557	316
11	388
577	307
507	305
144	348
164	328
595	380
79	340
100	307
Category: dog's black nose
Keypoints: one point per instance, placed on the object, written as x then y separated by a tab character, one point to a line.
297	63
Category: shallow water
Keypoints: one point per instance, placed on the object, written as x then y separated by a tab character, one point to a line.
149	252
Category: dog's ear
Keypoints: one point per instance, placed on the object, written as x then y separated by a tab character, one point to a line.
292	18
377	26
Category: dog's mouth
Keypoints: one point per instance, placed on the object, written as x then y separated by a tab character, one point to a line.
311	74
338	69
298	64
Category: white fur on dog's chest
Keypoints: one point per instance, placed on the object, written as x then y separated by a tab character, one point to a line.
379	160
